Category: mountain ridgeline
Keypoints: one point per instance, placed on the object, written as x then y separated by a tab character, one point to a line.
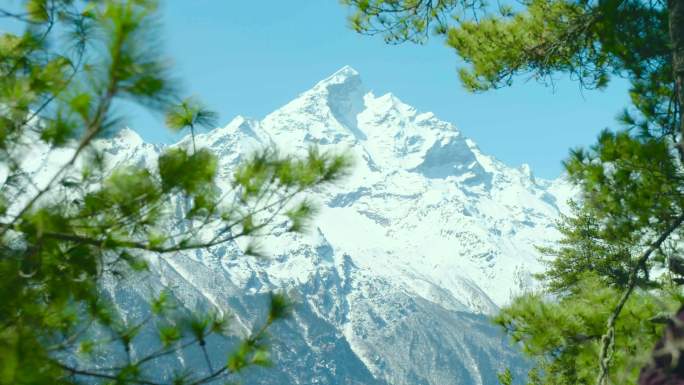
396	277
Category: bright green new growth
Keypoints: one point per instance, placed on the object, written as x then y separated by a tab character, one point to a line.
190	113
85	224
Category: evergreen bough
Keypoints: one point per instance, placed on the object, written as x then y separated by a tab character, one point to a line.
63	72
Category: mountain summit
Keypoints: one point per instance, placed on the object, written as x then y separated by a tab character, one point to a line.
403	265
345	75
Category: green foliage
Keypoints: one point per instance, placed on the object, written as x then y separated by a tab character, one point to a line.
505	378
625	176
499	47
629	197
190	113
403	20
62	237
583	249
629	200
563	334
266	168
280	307
300	214
190	173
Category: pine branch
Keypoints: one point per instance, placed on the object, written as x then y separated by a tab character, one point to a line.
22	17
87	373
92	129
608	339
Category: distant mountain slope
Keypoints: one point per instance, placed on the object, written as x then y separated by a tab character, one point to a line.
405	261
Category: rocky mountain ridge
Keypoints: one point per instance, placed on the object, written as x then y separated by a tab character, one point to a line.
407	258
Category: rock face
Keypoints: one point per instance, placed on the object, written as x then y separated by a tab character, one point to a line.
408	257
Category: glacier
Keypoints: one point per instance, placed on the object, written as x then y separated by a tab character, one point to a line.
396	279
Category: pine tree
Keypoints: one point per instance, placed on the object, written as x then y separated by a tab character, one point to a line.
620	258
62	75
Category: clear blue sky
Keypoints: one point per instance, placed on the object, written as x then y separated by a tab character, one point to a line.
250	57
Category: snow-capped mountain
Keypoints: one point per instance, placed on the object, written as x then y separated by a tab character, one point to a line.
407	258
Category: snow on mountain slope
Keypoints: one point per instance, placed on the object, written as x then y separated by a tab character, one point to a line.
407	258
424	205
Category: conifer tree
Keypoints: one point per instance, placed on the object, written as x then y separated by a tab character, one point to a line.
619	266
63	72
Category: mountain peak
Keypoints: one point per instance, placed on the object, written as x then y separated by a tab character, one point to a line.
342	75
347	70
345	80
129	136
344	96
333	103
